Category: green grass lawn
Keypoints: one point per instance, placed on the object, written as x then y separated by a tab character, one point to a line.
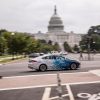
8	58
4	56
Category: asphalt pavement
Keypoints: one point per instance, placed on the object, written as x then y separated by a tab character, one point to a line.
20	67
83	91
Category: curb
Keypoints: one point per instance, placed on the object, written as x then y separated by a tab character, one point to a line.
96	72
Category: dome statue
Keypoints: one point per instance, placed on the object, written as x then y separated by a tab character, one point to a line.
55	23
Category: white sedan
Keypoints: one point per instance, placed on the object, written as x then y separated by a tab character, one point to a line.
52	62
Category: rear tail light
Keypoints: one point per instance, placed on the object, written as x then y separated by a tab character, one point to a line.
32	61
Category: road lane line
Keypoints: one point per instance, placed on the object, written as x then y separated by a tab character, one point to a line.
44	75
30	76
46	94
70	92
76	73
27	87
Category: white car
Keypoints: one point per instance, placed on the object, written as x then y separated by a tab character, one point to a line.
52	62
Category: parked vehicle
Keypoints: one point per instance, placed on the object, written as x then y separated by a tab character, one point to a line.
52	62
33	55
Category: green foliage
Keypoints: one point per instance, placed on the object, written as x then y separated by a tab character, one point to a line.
56	47
76	48
96	40
94	30
19	43
67	47
2	31
93	40
2	45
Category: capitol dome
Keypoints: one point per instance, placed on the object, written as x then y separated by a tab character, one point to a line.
55	23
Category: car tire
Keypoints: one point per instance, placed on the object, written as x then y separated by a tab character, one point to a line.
73	66
43	67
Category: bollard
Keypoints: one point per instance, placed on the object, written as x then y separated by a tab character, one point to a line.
59	89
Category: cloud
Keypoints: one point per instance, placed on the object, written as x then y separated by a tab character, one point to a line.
34	15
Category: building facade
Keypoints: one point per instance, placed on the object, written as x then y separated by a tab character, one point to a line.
57	34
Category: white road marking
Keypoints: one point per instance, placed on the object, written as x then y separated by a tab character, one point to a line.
27	87
96	72
76	73
43	75
56	97
30	76
70	92
76	83
46	94
39	86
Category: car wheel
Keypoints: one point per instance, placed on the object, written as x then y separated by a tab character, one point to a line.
73	66
43	68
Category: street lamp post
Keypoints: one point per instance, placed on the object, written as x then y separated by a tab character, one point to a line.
12	34
89	58
88	46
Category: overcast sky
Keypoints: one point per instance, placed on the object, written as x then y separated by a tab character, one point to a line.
34	15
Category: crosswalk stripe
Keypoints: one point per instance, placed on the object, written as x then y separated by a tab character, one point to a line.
46	94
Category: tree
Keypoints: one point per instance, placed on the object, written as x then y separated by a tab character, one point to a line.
3	45
56	47
94	30
50	42
90	39
76	48
67	47
42	41
2	31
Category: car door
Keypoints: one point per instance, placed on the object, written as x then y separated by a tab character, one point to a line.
48	61
60	62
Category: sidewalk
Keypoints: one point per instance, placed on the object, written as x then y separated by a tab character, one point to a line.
96	72
47	79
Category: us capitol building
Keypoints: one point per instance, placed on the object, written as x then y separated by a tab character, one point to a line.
57	34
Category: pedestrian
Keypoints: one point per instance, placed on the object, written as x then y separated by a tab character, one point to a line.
81	55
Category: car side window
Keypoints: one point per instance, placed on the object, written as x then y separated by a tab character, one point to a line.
52	57
60	58
47	57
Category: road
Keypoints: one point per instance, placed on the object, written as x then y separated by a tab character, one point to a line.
80	92
24	84
74	86
20	67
